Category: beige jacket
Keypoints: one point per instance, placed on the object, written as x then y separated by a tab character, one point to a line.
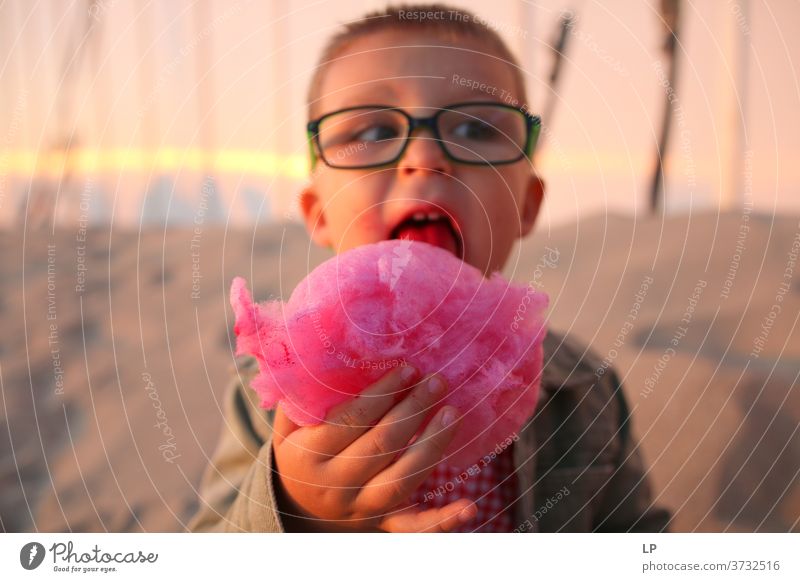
578	464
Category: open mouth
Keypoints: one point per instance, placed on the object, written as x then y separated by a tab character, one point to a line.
432	227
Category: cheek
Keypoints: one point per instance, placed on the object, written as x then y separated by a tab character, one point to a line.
499	197
353	214
354	227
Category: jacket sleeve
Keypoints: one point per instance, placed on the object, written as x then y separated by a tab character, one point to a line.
628	504
237	490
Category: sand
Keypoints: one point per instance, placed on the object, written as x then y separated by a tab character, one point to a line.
117	350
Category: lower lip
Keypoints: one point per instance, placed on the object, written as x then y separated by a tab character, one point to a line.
436	233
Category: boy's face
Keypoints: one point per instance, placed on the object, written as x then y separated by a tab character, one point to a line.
491	206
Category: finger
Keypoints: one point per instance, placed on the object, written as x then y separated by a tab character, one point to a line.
397	483
348	421
378	447
282	427
436	520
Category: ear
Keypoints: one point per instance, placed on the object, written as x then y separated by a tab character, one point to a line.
534	195
314	217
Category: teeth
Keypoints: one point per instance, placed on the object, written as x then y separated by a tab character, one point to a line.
429	216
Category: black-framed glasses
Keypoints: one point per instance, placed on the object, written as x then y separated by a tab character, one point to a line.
477	133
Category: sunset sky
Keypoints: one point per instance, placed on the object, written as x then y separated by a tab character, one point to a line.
116	99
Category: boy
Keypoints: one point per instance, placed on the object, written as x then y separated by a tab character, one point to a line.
420	130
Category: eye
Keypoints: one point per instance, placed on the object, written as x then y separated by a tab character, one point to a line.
475	130
376	133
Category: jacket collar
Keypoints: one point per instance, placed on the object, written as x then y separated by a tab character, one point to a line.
565	367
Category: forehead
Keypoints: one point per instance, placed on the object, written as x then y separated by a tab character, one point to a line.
416	70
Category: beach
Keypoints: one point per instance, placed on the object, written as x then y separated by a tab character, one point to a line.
119	347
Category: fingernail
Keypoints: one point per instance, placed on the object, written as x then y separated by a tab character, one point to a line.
435	385
448	417
408	372
467	514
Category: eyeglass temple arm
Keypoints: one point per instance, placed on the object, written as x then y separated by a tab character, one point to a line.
311	131
535	124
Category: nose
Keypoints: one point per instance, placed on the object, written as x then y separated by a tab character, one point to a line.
424	153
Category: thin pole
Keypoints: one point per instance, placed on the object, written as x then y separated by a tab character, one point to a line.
670	16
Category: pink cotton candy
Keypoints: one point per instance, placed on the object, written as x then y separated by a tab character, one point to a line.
392	303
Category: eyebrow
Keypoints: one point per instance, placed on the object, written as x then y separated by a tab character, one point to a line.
378	92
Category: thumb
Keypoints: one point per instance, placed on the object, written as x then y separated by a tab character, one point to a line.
282	427
436	520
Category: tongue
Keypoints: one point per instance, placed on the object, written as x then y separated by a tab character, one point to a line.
436	233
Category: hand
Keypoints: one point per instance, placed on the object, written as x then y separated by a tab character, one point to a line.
356	471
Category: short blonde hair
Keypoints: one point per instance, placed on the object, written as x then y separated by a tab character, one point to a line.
450	24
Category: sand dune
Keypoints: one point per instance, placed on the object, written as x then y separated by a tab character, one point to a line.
117	351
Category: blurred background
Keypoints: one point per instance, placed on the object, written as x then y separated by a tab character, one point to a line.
150	151
138	105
